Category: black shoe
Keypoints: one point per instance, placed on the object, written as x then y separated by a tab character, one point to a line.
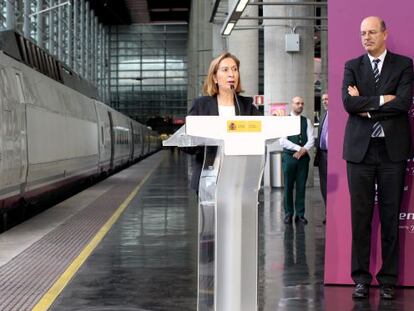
361	291
288	219
387	292
301	219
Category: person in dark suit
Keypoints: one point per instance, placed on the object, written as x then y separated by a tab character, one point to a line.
222	88
377	94
321	157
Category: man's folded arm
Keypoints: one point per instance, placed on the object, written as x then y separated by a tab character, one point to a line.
356	104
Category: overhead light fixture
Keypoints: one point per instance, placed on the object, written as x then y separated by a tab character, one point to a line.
241	5
233	17
228	29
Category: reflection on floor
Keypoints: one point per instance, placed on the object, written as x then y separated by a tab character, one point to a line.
148	261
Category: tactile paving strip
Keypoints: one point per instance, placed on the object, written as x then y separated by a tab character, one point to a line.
28	276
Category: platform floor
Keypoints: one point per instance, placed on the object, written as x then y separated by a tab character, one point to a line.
148	259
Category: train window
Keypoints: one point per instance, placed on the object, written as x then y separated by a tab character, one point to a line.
34	55
20	88
102	135
57	68
52	67
45	65
23	49
41	62
39	59
29	53
49	65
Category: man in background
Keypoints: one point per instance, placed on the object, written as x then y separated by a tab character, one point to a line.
321	157
295	163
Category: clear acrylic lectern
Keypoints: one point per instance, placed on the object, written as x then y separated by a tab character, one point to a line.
228	200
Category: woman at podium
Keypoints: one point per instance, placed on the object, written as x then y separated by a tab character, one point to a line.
222	88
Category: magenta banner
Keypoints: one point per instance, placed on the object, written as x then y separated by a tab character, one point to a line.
344	43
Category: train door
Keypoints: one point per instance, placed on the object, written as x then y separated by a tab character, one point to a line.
13	131
2	98
143	140
22	121
101	137
111	126
132	141
100	132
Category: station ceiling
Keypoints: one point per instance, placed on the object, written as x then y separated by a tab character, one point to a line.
124	12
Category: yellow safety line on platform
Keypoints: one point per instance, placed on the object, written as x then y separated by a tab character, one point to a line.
46	301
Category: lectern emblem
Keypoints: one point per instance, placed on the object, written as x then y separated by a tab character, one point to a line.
244	126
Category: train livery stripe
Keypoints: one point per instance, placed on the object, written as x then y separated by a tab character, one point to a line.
47	300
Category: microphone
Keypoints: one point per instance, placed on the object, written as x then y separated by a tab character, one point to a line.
237	101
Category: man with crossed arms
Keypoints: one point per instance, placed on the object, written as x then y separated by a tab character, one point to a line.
377	94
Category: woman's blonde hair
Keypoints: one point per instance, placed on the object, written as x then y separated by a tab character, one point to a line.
210	87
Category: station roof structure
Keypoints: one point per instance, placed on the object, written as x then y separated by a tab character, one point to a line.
125	12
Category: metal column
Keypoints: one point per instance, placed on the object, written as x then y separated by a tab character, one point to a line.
26	18
51	29
76	37
40	25
100	68
10	15
91	45
96	52
69	35
82	33
59	33
87	40
107	65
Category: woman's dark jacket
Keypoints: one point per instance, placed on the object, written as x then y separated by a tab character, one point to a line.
208	106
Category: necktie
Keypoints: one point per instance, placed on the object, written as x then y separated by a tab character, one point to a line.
377	128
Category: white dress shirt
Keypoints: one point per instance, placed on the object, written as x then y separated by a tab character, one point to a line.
287	144
226	111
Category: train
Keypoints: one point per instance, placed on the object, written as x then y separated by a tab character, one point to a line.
54	130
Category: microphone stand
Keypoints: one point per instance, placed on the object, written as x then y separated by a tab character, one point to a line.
237	101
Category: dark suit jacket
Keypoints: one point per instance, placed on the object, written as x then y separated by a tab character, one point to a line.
318	140
208	106
395	79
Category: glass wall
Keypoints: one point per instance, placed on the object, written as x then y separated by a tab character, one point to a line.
68	30
149	70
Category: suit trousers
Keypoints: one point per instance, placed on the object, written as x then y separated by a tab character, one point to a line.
295	172
375	171
323	172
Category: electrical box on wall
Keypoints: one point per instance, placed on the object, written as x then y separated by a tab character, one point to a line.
292	42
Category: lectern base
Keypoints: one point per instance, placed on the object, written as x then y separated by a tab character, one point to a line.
228	231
